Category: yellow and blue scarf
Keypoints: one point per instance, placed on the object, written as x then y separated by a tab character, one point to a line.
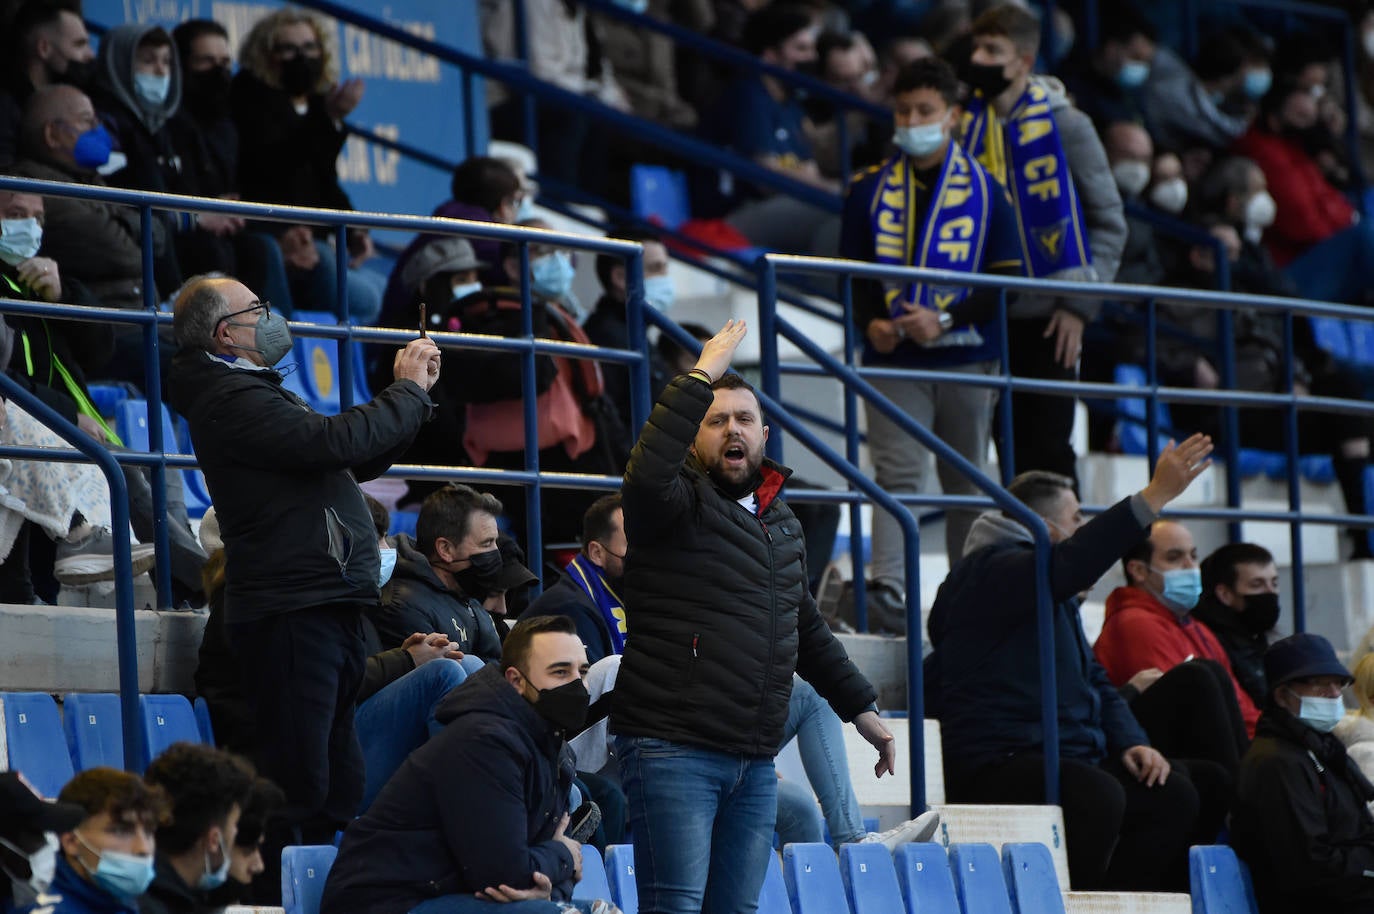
951	237
587	576
1026	156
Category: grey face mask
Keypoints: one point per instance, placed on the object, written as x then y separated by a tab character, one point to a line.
273	336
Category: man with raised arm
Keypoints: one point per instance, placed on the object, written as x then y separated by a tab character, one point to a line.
716	595
1129	818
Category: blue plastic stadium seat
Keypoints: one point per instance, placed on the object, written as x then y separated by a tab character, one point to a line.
658	194
620	872
1330	334
328	318
1361	336
304	870
870	879
95	730
927	885
131	425
404	522
317	363
978	878
1220	883
37	748
166	719
1031	880
1131	430
1317	468
773	895
813	879
195	493
203	724
594	884
107	397
361	392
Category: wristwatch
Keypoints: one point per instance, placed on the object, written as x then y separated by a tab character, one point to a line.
945	321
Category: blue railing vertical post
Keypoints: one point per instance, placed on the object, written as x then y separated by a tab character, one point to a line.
1291	447
1006	456
770	381
341	273
1151	382
851	453
1230	418
534	546
1352	128
152	381
640	401
345	345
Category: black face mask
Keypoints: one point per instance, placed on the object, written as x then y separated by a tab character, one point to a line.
990	79
79	74
479	578
565	707
207	92
300	74
1260	612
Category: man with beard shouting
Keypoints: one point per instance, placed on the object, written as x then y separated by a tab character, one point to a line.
716	595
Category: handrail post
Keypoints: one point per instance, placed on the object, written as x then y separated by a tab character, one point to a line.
1006	455
640	395
1291	446
851	453
1230	417
126	634
152	370
1352	115
534	536
768	343
343	347
1151	383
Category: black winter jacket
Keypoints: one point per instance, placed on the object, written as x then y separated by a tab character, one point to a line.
566	598
475	806
717	600
983	677
415	600
284	481
169	893
1244	648
1300	821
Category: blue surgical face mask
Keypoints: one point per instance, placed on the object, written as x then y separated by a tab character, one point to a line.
152	88
1257	83
125	876
1182	588
388	566
921	140
464	290
20	239
525	211
1133	74
552	275
1321	714
659	293
92	148
634	6
213	879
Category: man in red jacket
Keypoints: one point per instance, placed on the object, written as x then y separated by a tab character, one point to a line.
1309	226
1149	626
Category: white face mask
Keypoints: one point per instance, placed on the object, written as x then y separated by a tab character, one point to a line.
1131	176
42	863
1260	211
463	291
1367	39
20	240
152	88
920	140
1170	195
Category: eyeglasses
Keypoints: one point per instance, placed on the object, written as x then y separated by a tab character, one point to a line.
263	306
290	51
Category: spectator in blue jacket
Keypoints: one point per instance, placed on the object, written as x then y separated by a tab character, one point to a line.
106	862
1128	817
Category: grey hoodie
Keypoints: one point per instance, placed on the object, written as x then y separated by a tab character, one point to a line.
115	65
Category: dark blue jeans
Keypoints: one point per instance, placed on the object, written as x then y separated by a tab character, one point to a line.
702	822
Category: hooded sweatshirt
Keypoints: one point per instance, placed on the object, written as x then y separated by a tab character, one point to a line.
1140	632
115	66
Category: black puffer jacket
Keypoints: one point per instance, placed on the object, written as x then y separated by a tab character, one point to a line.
1244	648
415	600
717	600
284	481
476	806
1300	821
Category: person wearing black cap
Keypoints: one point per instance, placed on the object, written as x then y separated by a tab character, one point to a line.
29	826
1300	818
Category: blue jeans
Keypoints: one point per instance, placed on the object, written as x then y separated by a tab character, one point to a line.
702	822
469	904
820	740
397	720
1336	270
799	818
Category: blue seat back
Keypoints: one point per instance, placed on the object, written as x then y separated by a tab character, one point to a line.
166	719
304	870
95	730
131	425
773	895
870	879
1361	335
924	876
203	723
1031	879
1330	334
813	879
594	883
1132	430
978	879
620	872
659	194
33	735
317	362
1220	883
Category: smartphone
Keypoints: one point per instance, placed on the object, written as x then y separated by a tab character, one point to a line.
424	322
